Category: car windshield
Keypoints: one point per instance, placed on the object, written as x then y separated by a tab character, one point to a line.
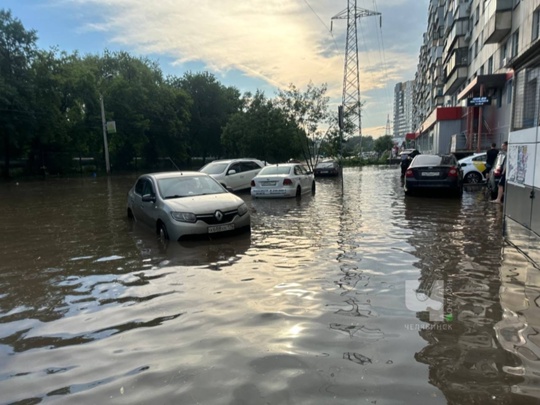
188	186
214	168
324	165
271	170
432	160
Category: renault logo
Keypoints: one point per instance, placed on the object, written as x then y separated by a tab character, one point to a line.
218	215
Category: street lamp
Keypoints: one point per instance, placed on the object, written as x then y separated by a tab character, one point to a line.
105	141
104	128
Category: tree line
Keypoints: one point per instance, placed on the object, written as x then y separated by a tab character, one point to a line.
51	117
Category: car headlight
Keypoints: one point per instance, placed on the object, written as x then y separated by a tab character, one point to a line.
242	209
184	216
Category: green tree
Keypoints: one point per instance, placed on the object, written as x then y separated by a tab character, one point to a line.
212	106
261	130
309	110
17	50
383	144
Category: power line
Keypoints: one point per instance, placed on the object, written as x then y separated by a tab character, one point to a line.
324	24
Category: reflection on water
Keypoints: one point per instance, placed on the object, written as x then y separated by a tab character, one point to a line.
310	308
518	331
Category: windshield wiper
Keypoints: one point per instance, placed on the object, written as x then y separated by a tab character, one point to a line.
174	196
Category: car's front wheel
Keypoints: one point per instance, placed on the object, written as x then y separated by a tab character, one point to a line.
298	192
473	178
162	231
313	187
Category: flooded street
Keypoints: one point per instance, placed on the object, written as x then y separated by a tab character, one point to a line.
311	308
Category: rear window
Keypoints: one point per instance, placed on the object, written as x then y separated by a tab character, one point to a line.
214	168
433	160
325	165
272	170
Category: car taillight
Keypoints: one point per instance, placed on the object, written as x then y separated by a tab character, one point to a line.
252	183
409	173
287	182
452	172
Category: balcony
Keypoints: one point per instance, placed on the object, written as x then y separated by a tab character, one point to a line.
498	20
460	58
455	80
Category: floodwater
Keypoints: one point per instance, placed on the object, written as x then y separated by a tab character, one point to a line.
339	298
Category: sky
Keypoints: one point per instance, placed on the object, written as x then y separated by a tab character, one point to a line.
249	44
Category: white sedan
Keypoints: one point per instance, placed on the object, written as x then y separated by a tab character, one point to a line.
474	167
282	180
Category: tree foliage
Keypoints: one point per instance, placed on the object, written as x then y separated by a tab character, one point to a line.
51	115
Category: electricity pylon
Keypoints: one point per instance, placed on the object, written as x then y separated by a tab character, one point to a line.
388	125
351	76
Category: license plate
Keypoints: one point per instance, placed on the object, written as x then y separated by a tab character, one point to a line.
220	228
268	183
430	174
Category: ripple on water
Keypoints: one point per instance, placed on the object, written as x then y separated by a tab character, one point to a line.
309	308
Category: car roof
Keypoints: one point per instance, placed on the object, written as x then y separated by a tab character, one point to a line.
166	175
284	164
233	160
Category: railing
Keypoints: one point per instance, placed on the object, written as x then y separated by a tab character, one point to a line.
464	142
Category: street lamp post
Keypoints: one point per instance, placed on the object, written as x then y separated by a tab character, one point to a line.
105	141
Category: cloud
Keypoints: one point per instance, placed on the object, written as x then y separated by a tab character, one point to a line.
276	41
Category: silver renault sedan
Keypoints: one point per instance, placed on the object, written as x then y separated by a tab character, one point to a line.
178	204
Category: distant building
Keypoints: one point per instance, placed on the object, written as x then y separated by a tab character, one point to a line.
403	102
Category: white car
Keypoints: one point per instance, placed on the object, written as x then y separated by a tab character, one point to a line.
473	168
235	174
282	180
177	204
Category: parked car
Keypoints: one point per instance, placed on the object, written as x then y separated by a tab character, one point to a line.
235	174
434	172
495	175
327	168
473	168
282	180
177	204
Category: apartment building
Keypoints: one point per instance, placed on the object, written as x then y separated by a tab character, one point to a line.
403	102
477	82
463	85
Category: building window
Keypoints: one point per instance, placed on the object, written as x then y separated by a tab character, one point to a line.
515	44
526	99
503	54
536	24
476	47
490	65
477	15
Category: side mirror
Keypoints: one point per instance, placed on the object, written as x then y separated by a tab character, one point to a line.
148	198
232	171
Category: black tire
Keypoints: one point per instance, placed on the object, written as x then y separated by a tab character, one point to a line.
473	178
130	214
298	192
162	231
313	187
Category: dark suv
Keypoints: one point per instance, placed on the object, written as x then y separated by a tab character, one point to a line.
495	175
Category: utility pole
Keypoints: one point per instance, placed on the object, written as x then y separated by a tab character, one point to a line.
351	76
388	125
105	141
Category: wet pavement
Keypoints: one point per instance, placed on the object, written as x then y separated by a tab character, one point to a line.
357	297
